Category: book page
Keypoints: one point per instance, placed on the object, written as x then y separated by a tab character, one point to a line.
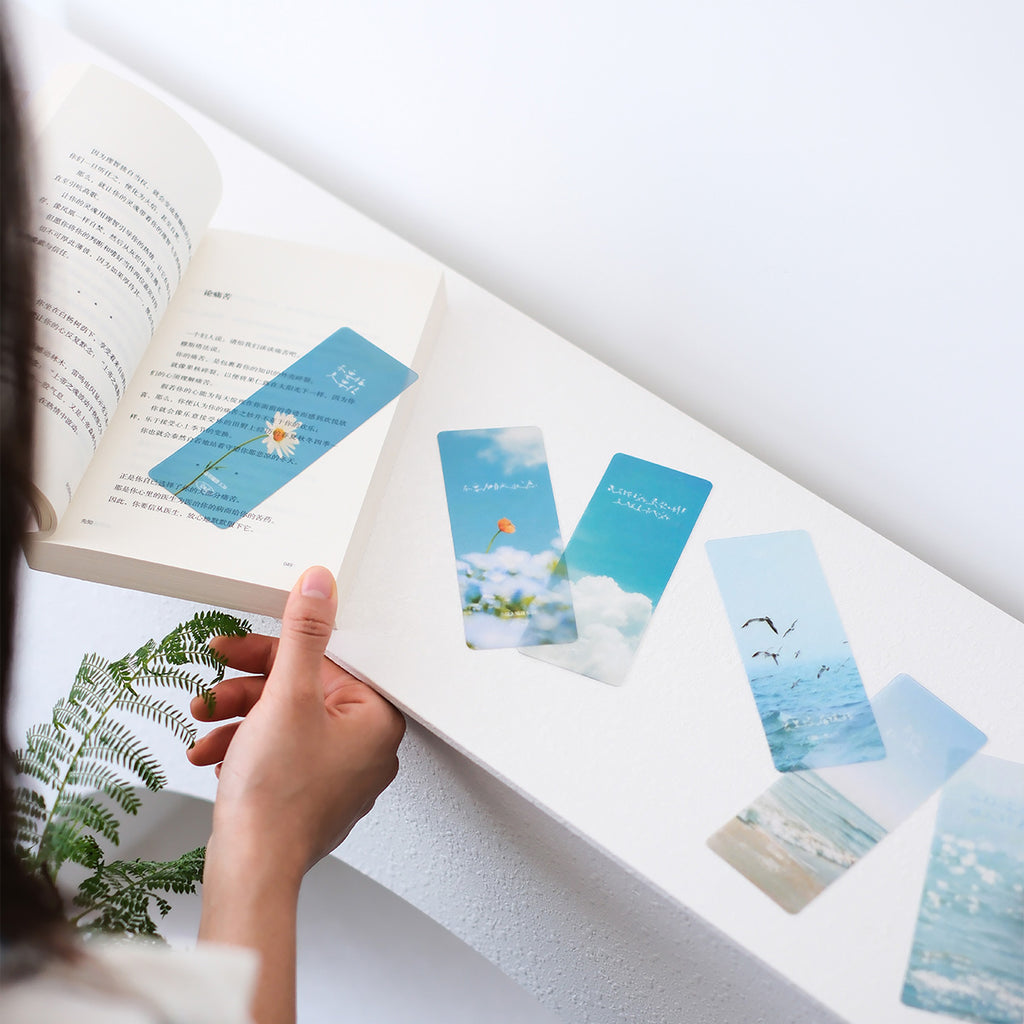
248	308
123	190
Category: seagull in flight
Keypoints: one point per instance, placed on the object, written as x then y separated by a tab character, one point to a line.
790	630
766	654
761	618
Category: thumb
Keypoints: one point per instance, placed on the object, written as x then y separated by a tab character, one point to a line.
306	626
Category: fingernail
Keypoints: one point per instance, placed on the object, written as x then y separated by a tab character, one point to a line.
317	582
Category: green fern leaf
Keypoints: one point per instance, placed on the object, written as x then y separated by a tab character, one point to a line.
29	814
190	640
80	756
160	712
99	777
95	674
64	841
87	812
68	715
32	765
120	892
53	747
160	674
107	745
144	653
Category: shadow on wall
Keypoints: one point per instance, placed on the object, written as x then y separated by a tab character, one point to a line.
364	953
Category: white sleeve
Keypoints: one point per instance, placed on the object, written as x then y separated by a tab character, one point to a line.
136	983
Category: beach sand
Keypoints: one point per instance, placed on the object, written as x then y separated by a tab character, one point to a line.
758	857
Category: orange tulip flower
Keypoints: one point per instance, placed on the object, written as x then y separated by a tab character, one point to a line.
504	526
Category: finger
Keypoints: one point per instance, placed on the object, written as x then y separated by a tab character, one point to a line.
306	627
230	698
252	653
211	748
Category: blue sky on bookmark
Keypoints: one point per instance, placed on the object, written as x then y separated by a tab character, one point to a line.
291	421
512	588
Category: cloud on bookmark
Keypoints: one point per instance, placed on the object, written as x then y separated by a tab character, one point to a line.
610	622
515	448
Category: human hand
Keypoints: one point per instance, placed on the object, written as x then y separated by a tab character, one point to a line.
313	751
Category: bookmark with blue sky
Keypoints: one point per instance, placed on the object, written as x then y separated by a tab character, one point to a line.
805	682
512	586
809	828
619	560
967	958
268	439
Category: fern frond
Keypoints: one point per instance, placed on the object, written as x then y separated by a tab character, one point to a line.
203	626
95	675
30	803
29	763
29	813
53	747
94	688
86	812
65	841
160	712
159	673
121	891
190	640
26	833
114	743
70	715
123	672
144	653
84	749
108	782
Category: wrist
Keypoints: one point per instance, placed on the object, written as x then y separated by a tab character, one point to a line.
251	900
236	859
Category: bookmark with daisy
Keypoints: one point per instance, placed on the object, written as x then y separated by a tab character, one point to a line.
238	461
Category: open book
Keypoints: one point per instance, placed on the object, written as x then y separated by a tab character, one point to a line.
150	327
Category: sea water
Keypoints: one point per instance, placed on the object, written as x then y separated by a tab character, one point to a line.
968	952
817	714
817	826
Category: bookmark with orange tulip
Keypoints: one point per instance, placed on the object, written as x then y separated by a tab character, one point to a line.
513	588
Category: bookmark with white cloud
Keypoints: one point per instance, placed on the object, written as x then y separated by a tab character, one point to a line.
619	561
513	588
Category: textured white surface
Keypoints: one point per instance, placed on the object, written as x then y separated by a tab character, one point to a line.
356	938
798	225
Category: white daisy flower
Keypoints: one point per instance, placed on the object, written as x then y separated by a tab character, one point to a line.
281	437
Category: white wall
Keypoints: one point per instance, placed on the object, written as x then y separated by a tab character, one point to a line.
798	222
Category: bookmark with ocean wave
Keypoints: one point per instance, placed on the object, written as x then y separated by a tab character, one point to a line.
810	827
967	958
